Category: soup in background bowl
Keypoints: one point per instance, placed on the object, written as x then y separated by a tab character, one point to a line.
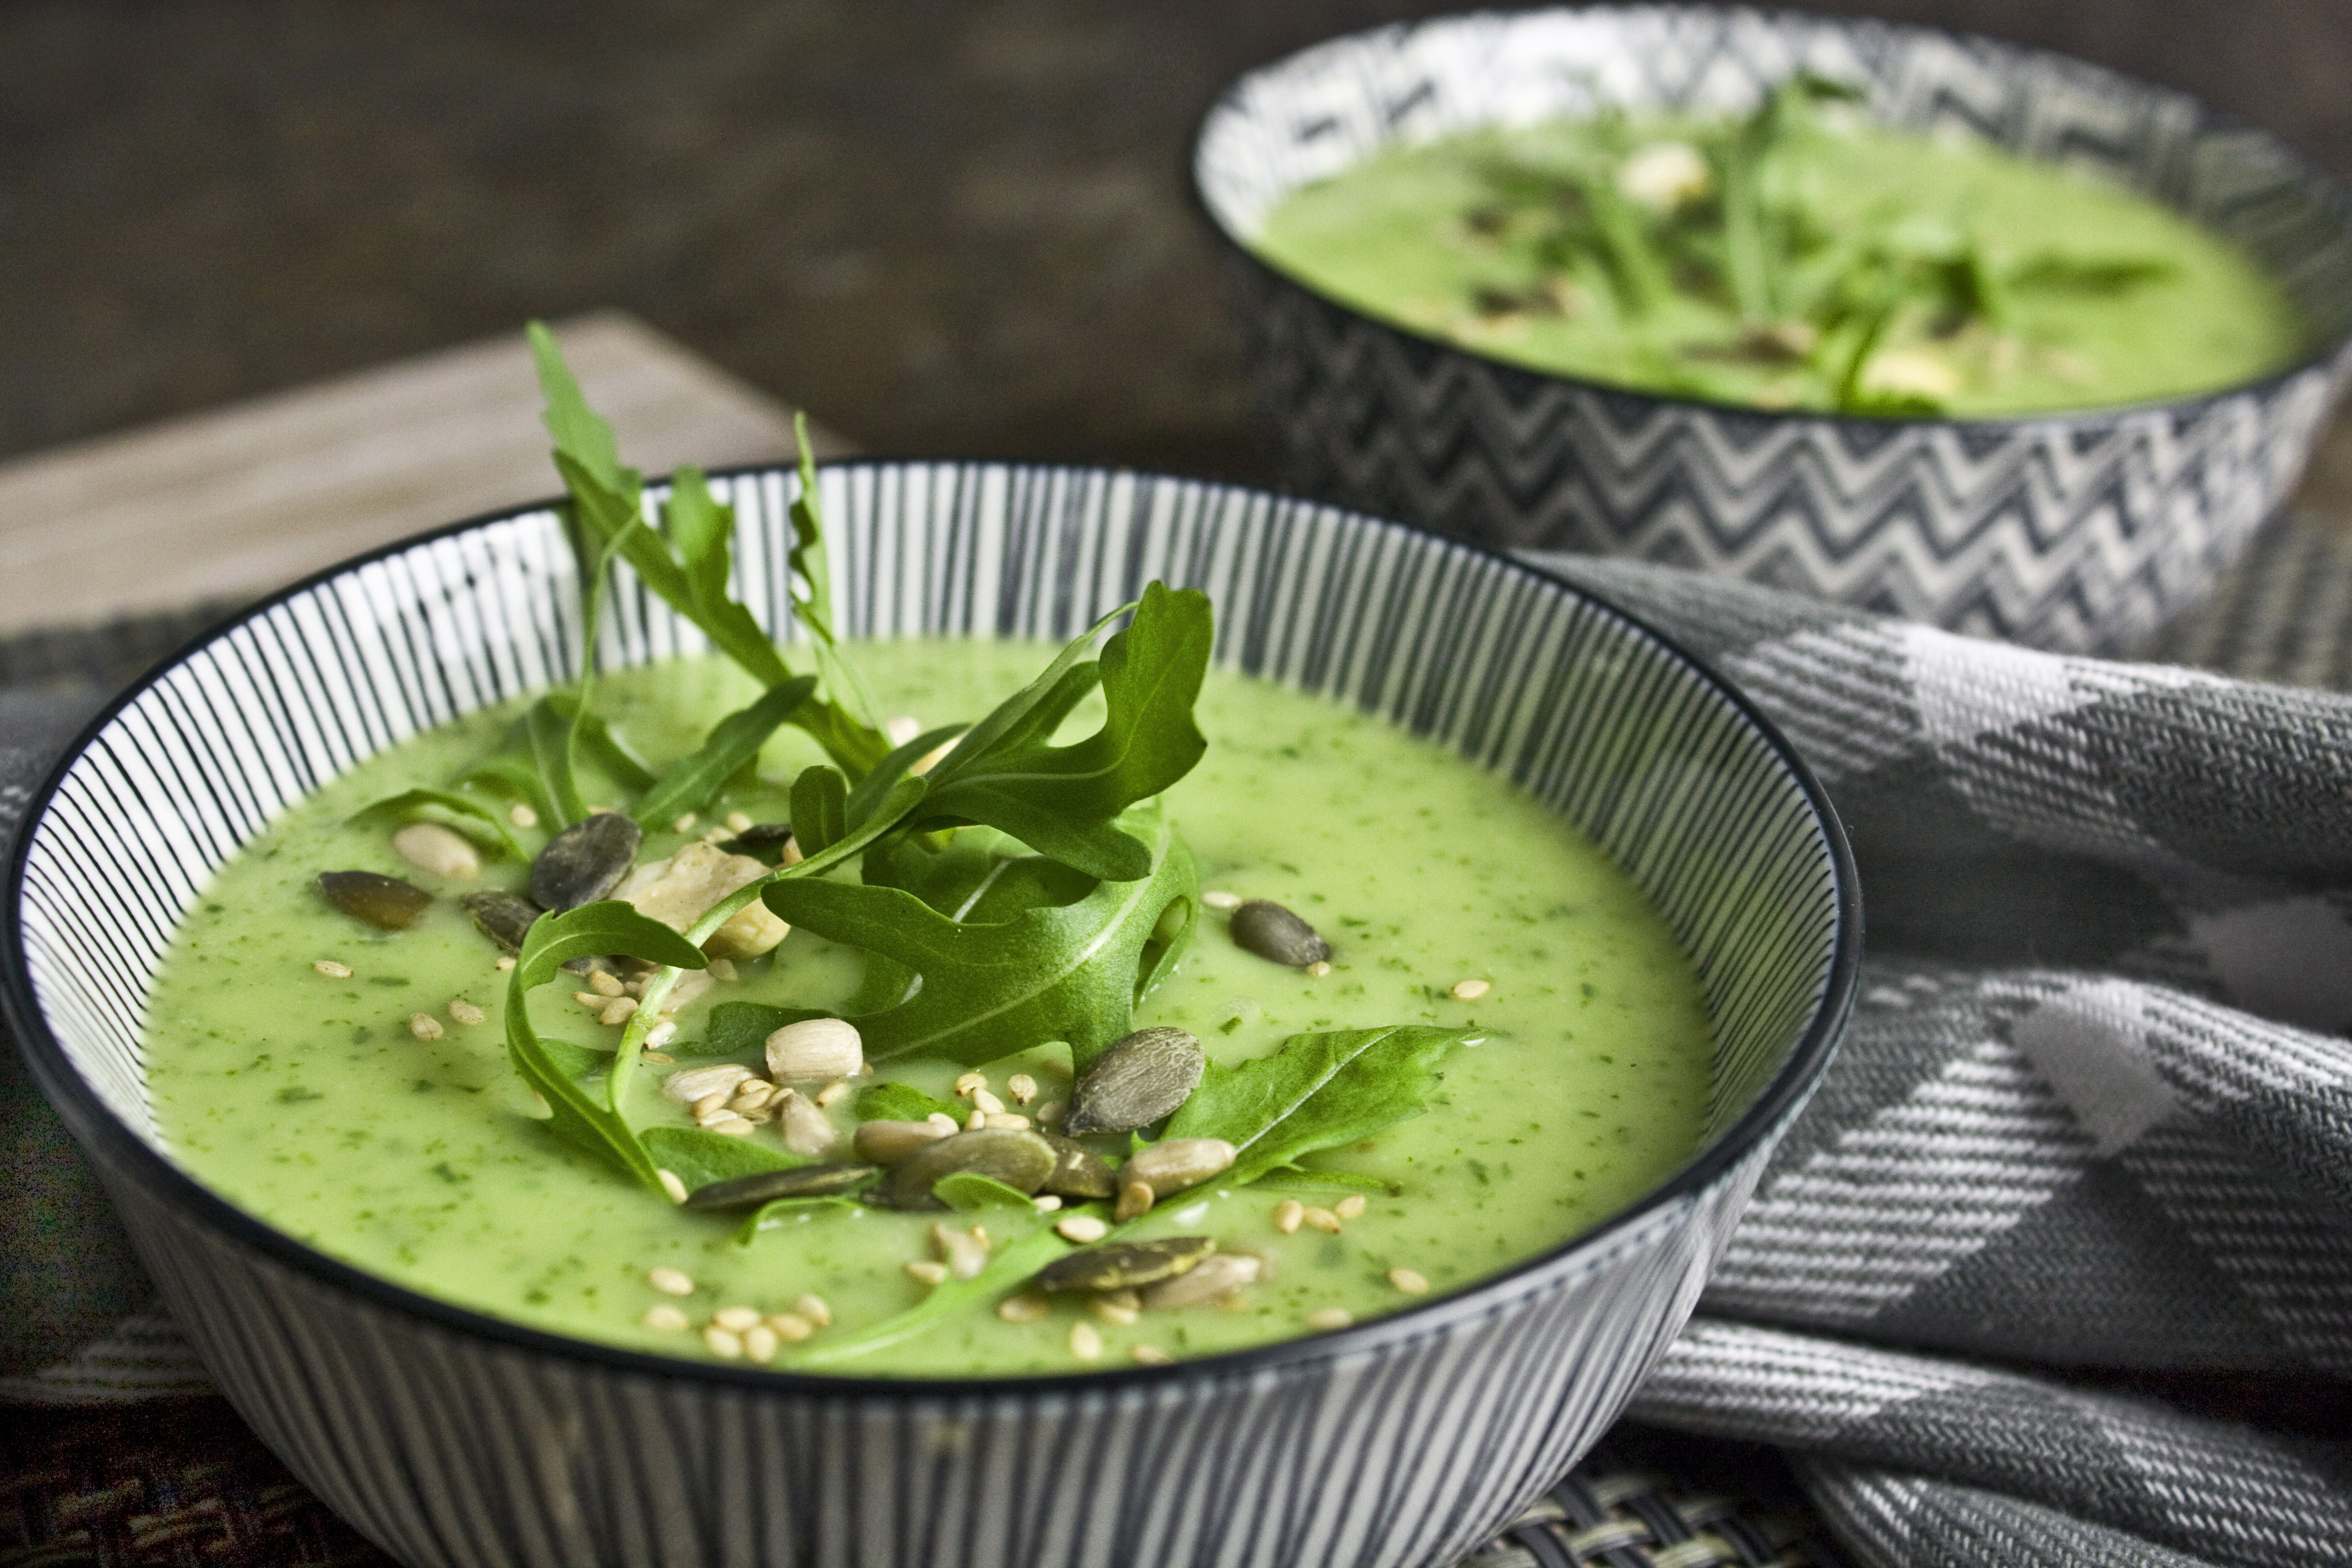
452	1434
2079	529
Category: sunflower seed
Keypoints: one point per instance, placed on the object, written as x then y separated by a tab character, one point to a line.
1264	926
1177	1163
585	861
1138	1080
815	1050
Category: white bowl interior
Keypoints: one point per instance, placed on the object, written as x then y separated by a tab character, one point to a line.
1584	709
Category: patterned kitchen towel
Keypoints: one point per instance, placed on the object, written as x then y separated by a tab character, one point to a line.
2095	1109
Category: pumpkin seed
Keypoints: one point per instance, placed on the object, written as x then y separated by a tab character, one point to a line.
763	841
1138	1080
888	1142
1125	1265
1078	1171
1177	1163
767	1186
585	861
504	918
1264	926
1022	1161
386	902
1214	1276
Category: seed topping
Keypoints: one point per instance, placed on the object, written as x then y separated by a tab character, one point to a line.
1412	1281
1471	990
331	970
1264	926
384	902
1138	1080
1125	1265
669	1281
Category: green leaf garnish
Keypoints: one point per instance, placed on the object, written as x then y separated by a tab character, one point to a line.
459	813
699	1158
739	1028
771	1215
1065	801
966	1191
1068	972
689	784
1315	1092
1007	1271
899	1102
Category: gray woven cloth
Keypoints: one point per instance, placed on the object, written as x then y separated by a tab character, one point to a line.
2095	1110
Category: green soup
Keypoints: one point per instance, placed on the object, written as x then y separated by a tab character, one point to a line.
1843	268
308	1099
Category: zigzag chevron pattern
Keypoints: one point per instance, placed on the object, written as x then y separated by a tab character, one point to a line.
2079	533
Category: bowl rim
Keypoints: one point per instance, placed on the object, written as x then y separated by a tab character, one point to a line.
119	1153
2329	355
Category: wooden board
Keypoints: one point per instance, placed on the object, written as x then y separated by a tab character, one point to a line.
229	504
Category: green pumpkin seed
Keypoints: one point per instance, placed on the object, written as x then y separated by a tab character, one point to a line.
1022	1161
767	1186
504	918
585	861
1078	1171
762	841
1125	1265
1264	926
1138	1080
387	903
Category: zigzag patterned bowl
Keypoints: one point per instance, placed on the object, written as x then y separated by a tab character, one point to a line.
2078	531
453	1438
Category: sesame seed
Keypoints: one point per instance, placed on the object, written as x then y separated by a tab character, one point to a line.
1412	1281
604	982
735	1319
504	964
618	1012
671	1184
943	1121
660	1035
1010	1119
1026	1307
590	1000
832	1092
1050	1113
1471	990
1323	1220
971	1082
684	824
1135	1201
666	1318
987	1102
1318	969
424	1027
791	1326
1349	1207
715	1100
1085	1344
1288	1214
737	823
1151	1356
657	1057
927	1273
1022	1088
812	1306
1112	1312
975	1121
466	1013
723	1344
1330	1318
759	1343
669	1281
1047	1202
522	816
727	1124
1218	898
721	969
1082	1228
331	970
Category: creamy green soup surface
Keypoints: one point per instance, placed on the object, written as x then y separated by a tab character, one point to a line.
1842	266
307	1098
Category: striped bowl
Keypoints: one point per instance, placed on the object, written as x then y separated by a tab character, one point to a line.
453	1438
2081	532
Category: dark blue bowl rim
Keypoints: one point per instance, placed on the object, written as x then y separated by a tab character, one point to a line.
2324	189
121	1153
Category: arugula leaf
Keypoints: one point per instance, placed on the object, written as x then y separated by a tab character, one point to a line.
820	808
689	784
560	1072
552	729
459	813
699	1158
1007	1271
772	1216
739	1027
1298	1181
1316	1091
899	1102
1065	801
894	767
967	1191
1069	972
810	583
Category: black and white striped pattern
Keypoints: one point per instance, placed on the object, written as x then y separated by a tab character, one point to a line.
2077	531
451	1439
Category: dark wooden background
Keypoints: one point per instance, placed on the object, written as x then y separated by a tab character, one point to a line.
949	227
